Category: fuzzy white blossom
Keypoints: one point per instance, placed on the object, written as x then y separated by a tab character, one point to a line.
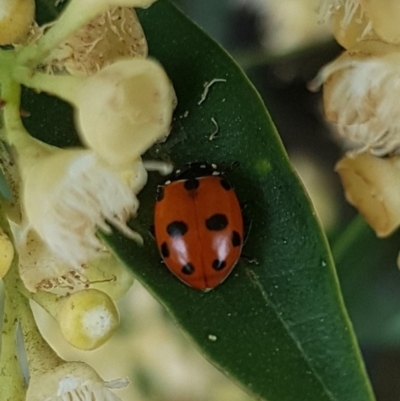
70	194
71	381
361	89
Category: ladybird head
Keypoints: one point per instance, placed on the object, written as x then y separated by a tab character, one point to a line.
196	170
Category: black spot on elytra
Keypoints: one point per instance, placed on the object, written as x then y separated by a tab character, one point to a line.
164	250
218	264
236	240
226	185
188	269
177	229
191	184
217	222
160	193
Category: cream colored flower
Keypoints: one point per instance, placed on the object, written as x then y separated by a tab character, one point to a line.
16	18
116	33
71	381
361	91
121	111
355	20
69	195
41	270
76	15
384	16
372	185
124	109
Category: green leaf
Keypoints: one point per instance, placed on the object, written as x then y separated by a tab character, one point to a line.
278	328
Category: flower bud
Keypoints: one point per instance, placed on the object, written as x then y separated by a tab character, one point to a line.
88	318
372	185
16	18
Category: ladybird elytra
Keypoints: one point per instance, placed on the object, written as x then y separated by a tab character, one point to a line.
198	226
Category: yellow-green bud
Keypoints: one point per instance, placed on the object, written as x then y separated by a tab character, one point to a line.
88	318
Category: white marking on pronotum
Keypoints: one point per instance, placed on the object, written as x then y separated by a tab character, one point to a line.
216	130
207	87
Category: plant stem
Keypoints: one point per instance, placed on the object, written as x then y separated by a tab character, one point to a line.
65	87
40	355
351	234
11	380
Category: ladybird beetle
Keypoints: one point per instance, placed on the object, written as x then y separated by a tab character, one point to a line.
198	225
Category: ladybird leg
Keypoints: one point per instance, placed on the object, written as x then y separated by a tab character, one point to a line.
247	224
228	168
152	231
234	165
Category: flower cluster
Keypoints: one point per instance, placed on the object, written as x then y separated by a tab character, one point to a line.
360	91
94	57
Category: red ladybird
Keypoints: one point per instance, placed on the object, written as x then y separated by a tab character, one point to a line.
198	226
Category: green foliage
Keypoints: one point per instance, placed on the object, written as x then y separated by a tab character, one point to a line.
278	328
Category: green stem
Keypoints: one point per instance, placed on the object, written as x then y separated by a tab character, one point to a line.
40	355
17	310
65	87
49	302
11	380
348	237
28	149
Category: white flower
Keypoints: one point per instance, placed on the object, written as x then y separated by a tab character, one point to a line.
77	14
355	20
384	16
41	270
124	109
114	34
16	18
121	111
70	194
71	381
361	91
